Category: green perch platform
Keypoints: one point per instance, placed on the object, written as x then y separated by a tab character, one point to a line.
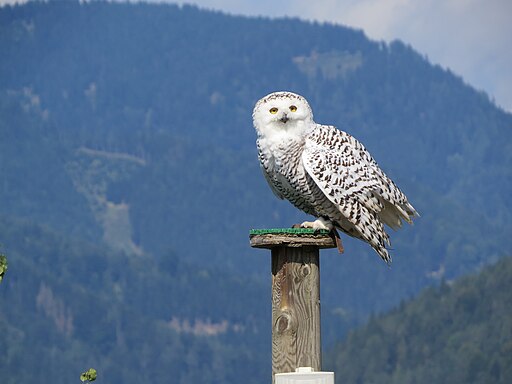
291	237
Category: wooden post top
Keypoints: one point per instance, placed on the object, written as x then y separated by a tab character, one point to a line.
290	237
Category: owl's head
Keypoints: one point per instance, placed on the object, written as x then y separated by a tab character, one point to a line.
282	112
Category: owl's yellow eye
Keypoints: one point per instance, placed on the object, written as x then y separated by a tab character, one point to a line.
293	108
273	110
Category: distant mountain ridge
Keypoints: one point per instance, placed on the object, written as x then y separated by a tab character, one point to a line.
127	128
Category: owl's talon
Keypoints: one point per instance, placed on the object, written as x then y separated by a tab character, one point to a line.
318	224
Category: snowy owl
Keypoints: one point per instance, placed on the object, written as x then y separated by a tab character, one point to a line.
326	173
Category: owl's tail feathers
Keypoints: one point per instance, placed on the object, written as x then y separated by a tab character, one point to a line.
393	214
373	232
383	253
409	212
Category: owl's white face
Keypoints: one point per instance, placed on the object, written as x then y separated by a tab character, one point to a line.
282	112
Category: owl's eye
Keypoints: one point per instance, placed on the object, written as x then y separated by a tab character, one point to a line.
293	108
273	110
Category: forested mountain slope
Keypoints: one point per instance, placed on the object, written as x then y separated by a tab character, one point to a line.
142	114
66	305
454	333
125	129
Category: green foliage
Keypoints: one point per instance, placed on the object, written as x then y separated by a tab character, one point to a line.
89	375
456	333
3	266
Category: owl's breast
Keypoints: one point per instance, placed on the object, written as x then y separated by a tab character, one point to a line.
285	172
283	158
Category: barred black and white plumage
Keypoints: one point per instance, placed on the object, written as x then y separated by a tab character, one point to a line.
326	172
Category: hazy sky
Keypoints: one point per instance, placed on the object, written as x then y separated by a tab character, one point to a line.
471	37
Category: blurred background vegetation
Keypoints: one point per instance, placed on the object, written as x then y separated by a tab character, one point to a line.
129	181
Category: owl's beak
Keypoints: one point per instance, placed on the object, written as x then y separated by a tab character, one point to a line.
285	118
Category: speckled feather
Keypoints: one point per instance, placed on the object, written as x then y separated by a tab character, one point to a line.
327	172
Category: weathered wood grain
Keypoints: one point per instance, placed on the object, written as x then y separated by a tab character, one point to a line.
271	240
295	296
295	309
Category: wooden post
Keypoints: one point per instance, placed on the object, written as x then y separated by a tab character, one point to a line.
295	295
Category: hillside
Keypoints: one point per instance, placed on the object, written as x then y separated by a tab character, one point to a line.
127	154
67	305
455	333
144	116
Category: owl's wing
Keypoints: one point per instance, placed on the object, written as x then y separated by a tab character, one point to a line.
351	179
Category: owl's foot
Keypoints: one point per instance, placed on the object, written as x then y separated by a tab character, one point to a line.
318	224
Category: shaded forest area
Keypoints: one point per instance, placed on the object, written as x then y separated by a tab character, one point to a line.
454	333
